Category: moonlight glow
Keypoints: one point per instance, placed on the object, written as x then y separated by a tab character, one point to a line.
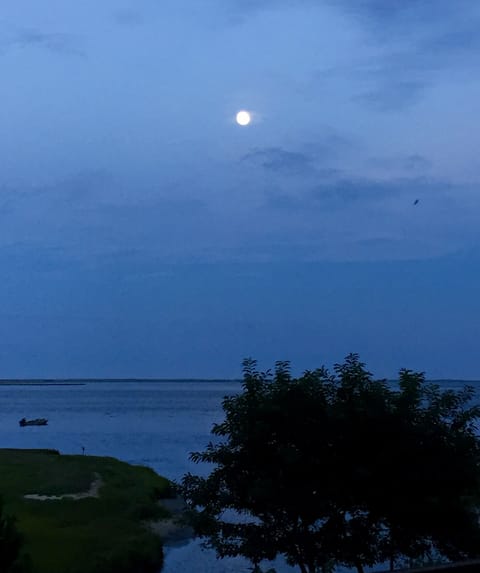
243	118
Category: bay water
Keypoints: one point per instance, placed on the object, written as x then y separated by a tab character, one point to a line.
153	423
156	424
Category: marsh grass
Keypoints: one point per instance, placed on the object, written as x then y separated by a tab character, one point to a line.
91	535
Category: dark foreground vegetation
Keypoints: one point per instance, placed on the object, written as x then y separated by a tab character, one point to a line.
104	534
336	468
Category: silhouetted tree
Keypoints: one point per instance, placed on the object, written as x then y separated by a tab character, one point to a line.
11	558
338	468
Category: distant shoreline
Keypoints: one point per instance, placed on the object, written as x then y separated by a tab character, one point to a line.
39	383
83	381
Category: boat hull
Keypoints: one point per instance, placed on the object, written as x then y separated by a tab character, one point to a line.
37	422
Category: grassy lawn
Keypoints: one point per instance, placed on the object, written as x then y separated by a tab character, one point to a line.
92	535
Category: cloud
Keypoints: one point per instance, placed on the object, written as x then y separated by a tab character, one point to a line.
80	187
371	219
416	162
238	11
169	211
404	49
406	165
393	95
281	160
310	158
383	81
96	221
94	216
58	43
252	6
361	193
394	192
128	18
398	17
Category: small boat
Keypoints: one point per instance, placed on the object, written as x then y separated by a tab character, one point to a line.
37	422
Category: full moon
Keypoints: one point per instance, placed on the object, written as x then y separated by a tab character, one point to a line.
243	118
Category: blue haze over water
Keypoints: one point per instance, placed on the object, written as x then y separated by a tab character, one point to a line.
154	423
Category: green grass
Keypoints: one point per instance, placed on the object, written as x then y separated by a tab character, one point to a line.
92	535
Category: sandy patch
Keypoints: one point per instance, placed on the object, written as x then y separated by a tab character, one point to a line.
171	529
93	491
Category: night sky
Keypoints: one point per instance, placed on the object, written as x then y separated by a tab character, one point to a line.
143	233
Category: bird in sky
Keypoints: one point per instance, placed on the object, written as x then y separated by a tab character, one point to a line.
416	201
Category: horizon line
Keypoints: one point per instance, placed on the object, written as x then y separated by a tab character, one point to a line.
183	379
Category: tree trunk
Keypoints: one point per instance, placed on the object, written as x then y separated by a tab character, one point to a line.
303	569
392	552
359	567
300	560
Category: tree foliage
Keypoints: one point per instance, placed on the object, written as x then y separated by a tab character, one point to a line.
338	468
11	543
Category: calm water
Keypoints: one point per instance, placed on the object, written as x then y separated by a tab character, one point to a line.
151	423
